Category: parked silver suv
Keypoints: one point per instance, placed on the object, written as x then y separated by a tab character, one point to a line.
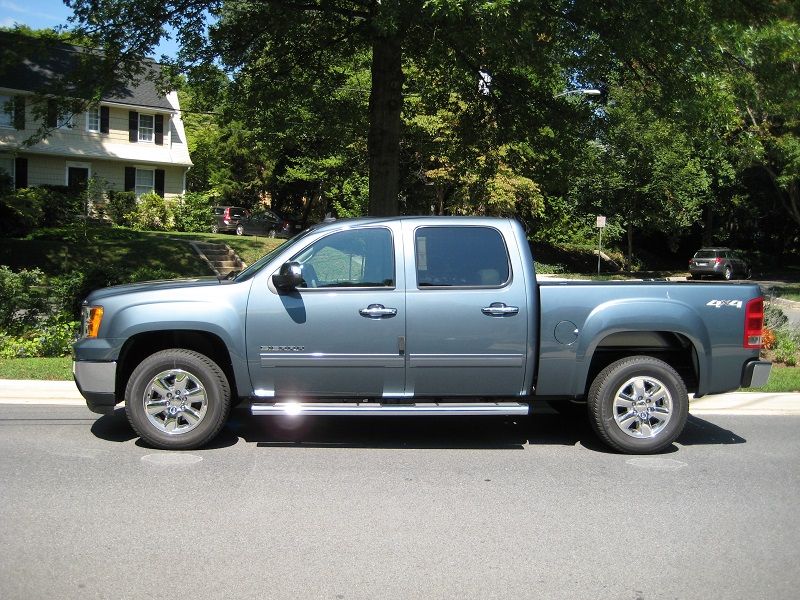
718	262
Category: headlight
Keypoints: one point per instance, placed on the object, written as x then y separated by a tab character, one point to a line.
91	316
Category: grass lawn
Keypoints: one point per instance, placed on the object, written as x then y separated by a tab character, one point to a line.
62	249
788	292
52	369
781	379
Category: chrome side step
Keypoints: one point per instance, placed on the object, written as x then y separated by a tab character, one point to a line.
373	409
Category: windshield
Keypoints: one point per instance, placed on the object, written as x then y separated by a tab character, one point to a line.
259	264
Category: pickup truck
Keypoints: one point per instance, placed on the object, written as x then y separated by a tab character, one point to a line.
414	316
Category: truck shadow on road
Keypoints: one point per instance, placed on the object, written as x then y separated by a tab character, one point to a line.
459	433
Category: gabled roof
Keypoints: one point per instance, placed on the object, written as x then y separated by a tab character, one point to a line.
47	66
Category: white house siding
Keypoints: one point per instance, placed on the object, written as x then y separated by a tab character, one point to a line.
77	144
50	170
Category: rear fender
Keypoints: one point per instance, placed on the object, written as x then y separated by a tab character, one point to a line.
641	314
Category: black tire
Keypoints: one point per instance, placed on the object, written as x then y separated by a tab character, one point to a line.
271	233
727	274
215	229
665	414
240	230
206	399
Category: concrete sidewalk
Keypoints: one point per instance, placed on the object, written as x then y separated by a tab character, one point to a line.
64	393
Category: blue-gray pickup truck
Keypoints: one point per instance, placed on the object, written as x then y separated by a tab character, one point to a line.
414	316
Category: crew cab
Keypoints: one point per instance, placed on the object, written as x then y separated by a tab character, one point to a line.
414	316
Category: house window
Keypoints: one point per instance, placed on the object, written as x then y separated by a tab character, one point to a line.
145	181
93	119
6	111
146	128
66	121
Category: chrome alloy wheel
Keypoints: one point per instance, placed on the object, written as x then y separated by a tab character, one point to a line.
175	401
642	407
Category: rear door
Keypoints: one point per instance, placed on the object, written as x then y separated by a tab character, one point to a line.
466	312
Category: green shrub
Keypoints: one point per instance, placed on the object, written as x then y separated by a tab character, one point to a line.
773	317
119	206
787	346
20	211
193	212
52	338
152	213
60	204
23	298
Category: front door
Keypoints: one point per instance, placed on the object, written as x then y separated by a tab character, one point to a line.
77	178
340	334
467	325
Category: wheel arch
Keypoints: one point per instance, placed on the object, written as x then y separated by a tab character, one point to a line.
141	345
675	349
614	330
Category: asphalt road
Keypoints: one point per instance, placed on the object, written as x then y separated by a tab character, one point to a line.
412	508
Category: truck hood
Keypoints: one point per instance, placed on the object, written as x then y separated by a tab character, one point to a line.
151	286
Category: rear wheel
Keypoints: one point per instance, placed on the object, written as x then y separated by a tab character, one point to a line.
215	229
271	233
638	405
727	274
240	230
177	399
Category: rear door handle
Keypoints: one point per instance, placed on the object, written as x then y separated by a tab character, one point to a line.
499	309
377	311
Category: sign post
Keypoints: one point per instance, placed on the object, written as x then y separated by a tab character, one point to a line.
601	223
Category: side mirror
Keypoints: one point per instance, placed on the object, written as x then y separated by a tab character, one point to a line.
289	277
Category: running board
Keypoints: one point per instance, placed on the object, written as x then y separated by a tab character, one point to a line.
376	409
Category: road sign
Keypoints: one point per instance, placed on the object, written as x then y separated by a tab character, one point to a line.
601	222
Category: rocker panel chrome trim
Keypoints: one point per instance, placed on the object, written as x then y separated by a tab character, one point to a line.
390	410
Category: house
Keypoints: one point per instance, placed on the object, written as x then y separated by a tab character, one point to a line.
132	139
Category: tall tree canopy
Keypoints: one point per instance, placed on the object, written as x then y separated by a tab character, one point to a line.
286	56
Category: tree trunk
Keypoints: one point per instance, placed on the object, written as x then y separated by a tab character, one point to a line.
630	247
383	141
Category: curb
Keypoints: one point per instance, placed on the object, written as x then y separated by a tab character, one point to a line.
65	393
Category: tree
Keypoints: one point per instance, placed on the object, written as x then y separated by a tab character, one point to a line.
642	171
520	44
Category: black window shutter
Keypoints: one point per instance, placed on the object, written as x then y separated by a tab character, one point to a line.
20	173
159	122
160	182
133	126
19	112
130	179
103	119
52	114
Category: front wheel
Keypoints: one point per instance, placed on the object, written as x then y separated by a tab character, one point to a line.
177	399
240	230
638	405
727	274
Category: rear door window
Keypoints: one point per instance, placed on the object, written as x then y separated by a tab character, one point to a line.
461	257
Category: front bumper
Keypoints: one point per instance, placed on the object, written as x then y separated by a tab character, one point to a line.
756	373
96	382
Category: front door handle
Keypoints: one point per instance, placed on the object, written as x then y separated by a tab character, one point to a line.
377	311
499	309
